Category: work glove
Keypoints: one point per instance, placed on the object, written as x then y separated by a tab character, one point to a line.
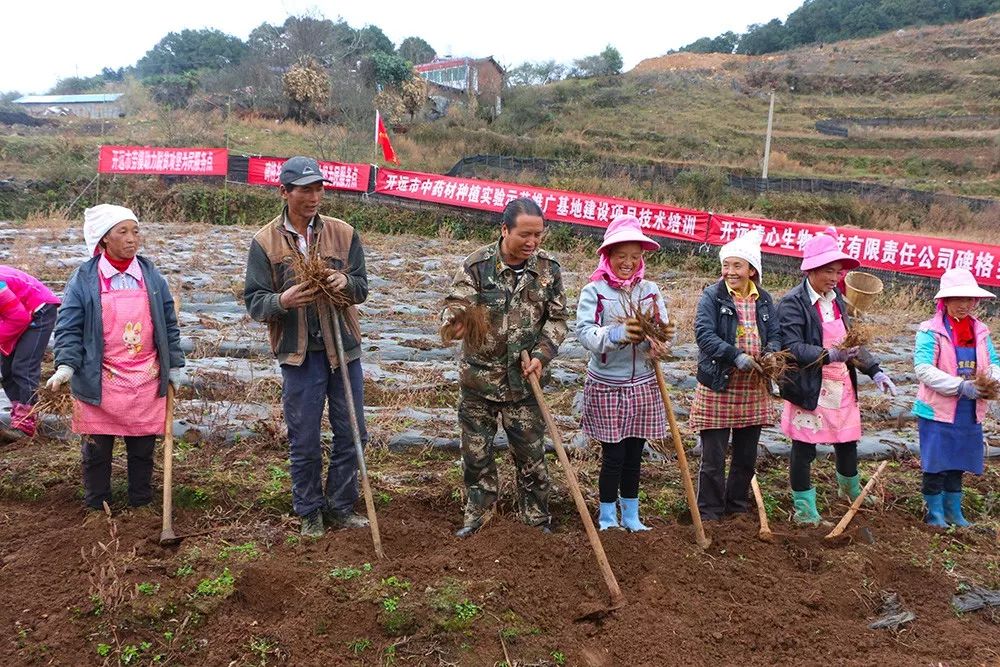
838	355
176	376
62	375
883	382
745	362
617	335
628	332
968	389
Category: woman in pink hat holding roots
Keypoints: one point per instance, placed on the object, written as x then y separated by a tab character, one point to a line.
821	400
736	322
622	406
951	348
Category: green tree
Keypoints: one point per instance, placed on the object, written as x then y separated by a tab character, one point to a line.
190	50
416	50
607	62
612	60
724	43
172	90
373	40
387	69
76	85
763	38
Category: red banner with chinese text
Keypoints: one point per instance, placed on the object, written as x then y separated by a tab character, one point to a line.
342	176
559	205
926	256
161	160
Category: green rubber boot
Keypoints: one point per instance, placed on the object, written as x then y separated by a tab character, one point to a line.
805	508
850	488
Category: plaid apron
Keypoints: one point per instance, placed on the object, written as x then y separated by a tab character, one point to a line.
746	400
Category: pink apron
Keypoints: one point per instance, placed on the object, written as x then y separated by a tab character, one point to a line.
837	417
130	370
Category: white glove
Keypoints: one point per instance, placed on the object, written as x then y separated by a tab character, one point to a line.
59	378
176	376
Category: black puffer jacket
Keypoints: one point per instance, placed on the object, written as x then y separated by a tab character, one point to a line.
715	332
802	335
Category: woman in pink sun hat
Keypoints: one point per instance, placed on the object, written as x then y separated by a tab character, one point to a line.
821	402
622	406
951	348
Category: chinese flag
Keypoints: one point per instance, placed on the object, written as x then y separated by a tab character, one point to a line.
382	139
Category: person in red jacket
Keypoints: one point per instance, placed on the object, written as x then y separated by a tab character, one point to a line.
27	317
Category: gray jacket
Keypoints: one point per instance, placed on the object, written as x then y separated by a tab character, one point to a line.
79	333
597	312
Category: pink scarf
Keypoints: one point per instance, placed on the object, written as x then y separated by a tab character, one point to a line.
604	272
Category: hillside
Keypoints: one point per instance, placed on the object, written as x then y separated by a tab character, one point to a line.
711	109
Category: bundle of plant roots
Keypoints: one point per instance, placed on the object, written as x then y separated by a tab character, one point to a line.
989	389
775	366
859	335
53	403
313	271
473	318
651	325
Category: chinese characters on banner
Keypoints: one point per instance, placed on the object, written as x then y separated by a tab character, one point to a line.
158	160
342	176
577	208
916	255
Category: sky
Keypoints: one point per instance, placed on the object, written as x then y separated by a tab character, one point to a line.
62	38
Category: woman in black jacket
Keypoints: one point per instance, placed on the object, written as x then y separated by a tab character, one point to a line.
734	325
821	400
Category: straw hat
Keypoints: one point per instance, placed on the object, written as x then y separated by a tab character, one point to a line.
961	283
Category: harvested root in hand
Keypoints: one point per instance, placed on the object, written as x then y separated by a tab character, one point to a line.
473	320
649	323
53	403
988	388
314	273
859	335
775	366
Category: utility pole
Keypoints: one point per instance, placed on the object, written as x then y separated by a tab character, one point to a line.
767	141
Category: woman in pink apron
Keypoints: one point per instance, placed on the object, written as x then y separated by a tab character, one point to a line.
821	399
118	345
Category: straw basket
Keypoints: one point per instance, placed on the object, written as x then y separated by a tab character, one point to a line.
862	288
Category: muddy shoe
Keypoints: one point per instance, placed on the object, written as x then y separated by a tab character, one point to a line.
340	520
312	525
468	529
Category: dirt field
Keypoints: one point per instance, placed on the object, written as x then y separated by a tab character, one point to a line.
79	588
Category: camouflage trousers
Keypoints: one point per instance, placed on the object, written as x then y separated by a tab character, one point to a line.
522	422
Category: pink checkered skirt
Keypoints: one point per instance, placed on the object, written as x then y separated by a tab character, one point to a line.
612	413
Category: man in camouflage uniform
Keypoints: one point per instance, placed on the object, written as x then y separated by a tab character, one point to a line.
520	288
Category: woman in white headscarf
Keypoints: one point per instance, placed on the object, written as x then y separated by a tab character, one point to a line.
736	322
118	345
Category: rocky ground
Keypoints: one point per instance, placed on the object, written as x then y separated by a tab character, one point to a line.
82	589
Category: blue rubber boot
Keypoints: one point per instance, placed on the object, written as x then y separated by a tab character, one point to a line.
608	518
935	510
805	508
953	509
630	515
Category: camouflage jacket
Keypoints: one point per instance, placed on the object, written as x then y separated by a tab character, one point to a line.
529	316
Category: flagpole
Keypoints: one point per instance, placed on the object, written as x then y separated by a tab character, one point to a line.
375	146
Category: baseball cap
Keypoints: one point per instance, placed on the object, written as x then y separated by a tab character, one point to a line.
301	170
